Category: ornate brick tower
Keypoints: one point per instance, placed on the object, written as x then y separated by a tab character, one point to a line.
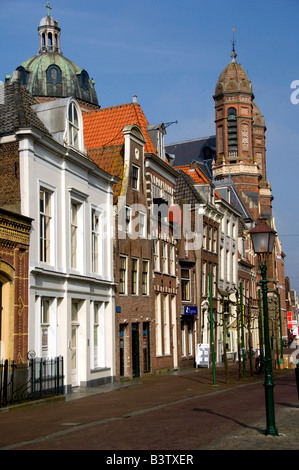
240	139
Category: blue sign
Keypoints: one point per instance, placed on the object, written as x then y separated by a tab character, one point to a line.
190	310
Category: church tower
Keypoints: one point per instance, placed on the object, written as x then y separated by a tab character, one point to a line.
240	139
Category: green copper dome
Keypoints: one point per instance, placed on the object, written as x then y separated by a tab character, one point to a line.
50	74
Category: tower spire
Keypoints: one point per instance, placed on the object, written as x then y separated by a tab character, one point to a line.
233	54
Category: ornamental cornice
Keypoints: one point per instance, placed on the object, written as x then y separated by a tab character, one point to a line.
13	232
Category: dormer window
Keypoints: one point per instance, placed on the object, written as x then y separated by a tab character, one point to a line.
84	80
54	74
73	126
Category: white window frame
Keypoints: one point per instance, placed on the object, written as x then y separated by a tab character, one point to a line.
125	281
77	251
145	285
187	281
96	241
128	219
142	224
98	349
165	257
133	261
156	255
172	259
51	257
135	181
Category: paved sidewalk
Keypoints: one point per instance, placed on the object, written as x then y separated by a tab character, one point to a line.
185	403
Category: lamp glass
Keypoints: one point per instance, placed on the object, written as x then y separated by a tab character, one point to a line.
263	242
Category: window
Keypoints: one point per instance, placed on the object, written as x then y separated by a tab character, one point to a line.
215	240
135	177
185	275
96	335
74	233
156	256
95	240
164	257
204	278
128	219
172	259
190	342
84	80
45	323
158	323
98	347
73	126
214	280
232	132
210	238
204	237
142	224
54	74
243	248
145	279
123	275
45	224
134	279
166	324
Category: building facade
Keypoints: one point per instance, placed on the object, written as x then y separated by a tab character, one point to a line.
69	199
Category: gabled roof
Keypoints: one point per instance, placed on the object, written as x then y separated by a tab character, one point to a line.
201	149
185	189
104	137
196	175
16	111
104	127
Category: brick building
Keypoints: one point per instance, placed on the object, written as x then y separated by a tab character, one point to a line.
14	270
117	140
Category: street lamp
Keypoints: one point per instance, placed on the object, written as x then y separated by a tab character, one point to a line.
262	237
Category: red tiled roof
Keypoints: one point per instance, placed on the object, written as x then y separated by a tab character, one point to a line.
196	174
103	128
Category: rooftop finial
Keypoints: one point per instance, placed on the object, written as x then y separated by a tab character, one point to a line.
48	6
233	54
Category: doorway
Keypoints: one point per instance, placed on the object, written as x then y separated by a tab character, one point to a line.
146	347
135	350
74	343
122	351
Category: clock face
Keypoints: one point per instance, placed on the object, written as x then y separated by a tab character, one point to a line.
137	154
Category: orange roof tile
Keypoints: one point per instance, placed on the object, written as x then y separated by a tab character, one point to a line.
197	175
103	128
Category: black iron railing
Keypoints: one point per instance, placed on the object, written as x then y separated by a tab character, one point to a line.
35	379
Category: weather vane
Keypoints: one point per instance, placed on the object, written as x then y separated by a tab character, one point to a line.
48	6
233	54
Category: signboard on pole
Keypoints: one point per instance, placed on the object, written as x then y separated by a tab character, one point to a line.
203	355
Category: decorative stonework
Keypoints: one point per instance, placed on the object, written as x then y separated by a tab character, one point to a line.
245	137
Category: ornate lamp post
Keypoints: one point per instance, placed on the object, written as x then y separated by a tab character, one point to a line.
263	240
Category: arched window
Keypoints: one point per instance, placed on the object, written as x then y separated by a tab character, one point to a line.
23	75
54	74
84	80
232	135
73	125
50	42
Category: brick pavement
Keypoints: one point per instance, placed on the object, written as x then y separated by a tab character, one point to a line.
145	401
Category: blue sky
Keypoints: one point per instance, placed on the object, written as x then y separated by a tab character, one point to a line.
170	53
